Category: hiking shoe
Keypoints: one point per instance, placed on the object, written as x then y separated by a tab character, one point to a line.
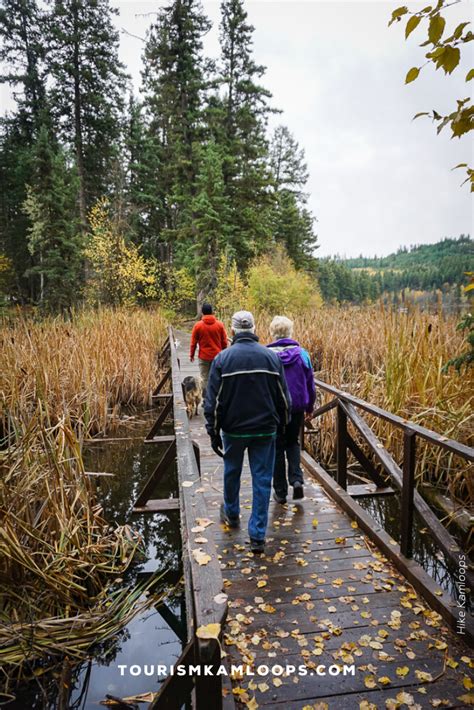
257	546
298	491
279	499
230	522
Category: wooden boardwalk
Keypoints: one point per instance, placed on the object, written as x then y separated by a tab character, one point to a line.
323	595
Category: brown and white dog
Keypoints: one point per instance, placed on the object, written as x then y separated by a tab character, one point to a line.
192	390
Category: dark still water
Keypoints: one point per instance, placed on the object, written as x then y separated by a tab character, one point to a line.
157	635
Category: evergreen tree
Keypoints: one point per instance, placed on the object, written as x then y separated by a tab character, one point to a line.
211	216
175	85
53	236
292	221
87	89
244	114
21	55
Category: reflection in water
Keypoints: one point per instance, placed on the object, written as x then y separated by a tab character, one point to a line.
148	639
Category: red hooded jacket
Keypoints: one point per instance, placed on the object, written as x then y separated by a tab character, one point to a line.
209	333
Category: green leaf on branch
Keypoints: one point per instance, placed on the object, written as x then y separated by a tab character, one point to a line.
412	24
436	28
412	75
459	29
397	14
449	59
461	165
470	75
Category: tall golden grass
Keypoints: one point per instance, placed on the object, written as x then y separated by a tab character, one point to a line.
394	360
85	369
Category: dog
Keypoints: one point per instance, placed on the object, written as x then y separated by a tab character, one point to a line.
192	390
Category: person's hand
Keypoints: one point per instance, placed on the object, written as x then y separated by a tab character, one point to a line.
216	443
191	359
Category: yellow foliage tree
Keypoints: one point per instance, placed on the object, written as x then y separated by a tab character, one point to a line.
231	292
276	286
173	288
117	270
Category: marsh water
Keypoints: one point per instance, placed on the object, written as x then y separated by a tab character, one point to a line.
157	635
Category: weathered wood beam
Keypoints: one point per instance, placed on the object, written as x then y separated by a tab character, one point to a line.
163	465
365	462
157	505
445	540
443	442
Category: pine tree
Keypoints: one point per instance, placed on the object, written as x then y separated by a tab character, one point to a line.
22	56
53	236
175	85
292	221
87	89
211	216
244	113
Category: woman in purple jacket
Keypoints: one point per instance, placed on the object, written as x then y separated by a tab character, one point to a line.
300	380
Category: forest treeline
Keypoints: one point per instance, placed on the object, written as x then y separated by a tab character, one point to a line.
169	195
169	181
424	267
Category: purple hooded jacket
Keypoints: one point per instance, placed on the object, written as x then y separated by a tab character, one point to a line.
298	372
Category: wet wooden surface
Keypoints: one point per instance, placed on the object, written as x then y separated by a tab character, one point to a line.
323	595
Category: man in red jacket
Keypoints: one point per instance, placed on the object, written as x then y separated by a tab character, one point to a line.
209	334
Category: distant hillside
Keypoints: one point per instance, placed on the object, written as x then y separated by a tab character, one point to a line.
446	252
425	267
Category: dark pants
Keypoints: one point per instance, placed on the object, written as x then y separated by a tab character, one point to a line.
288	448
261	452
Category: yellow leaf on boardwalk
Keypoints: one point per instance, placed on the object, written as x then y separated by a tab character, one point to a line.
209	631
403	671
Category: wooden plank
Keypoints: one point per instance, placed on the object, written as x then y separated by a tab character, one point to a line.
416	575
163	465
162	396
443	442
408	488
369	489
365	462
157	505
165	439
325	408
444	539
341	443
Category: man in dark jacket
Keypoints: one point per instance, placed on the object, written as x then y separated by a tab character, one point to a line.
248	400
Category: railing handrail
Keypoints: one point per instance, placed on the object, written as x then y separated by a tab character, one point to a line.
467	452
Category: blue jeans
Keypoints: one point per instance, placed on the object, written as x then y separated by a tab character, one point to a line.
261	451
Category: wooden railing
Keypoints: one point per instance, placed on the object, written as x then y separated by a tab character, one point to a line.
403	479
205	602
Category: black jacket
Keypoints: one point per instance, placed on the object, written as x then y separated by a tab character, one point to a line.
247	391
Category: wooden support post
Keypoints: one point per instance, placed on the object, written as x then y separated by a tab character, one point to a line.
341	476
163	464
209	688
408	488
167	409
162	382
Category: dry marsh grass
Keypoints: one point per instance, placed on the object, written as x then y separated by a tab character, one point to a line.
394	360
85	369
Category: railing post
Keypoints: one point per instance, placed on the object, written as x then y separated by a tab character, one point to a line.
408	488
341	476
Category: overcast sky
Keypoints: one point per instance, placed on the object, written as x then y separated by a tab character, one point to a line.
377	179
